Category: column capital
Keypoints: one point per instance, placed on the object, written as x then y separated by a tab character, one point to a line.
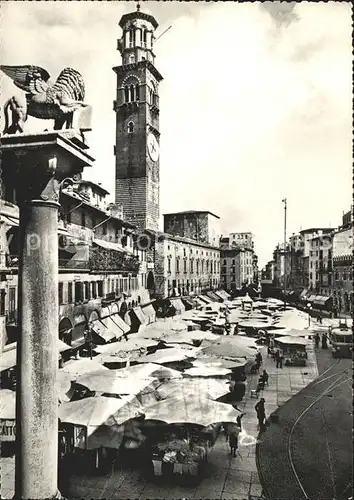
35	165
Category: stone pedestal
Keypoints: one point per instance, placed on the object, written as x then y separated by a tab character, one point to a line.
35	165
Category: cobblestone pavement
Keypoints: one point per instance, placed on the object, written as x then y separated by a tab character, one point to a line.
224	477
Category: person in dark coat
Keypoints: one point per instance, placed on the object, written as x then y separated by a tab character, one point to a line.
324	341
259	360
317	340
260	410
233	441
265	377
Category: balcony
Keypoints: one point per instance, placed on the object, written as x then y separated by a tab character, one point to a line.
73	264
111	260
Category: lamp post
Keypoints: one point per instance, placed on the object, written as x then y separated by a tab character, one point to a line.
284	200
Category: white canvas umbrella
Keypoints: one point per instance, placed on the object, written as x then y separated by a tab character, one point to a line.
207	371
194	409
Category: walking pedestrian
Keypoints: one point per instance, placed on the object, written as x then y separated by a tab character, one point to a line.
324	341
281	357
277	357
233	440
265	377
260	410
238	421
317	340
258	360
236	329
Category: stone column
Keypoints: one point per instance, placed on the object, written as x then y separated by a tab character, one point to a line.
35	166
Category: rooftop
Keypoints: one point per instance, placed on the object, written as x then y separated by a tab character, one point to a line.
315	229
97	187
186	212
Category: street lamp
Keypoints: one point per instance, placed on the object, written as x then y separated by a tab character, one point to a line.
284	200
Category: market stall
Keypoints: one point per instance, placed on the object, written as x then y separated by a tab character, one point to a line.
294	350
95	426
189	425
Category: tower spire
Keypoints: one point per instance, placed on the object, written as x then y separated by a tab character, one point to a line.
138	7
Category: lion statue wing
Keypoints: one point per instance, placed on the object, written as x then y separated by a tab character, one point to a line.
31	79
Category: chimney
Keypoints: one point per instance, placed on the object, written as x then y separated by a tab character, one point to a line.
116	210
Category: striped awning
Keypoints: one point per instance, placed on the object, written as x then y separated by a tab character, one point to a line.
112	327
119	321
102	331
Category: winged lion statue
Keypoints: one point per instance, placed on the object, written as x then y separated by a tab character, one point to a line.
45	100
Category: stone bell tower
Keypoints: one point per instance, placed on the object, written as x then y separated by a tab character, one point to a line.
137	122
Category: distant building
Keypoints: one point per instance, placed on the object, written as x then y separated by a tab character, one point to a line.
182	266
201	226
244	239
239	265
342	258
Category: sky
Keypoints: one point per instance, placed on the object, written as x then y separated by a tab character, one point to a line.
255	105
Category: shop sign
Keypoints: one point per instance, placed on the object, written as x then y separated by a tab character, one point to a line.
7	430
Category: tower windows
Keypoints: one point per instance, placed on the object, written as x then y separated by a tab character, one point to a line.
131	93
144	37
130	127
131	37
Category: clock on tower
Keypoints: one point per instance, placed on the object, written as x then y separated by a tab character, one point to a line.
137	148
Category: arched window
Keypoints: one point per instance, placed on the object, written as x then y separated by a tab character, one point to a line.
131	37
126	94
130	127
131	59
137	92
132	93
144	37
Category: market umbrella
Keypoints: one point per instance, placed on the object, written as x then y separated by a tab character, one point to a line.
289	340
229	350
81	366
64	386
126	346
194	409
150	370
102	417
168	355
112	382
256	324
212	388
218	361
189	337
207	371
289	333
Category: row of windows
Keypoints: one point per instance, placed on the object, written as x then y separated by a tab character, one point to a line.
190	285
212	254
210	266
78	291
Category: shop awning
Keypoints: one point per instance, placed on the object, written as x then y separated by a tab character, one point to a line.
188	302
178	305
100	329
205	299
303	293
105	311
321	300
140	315
112	326
213	297
149	312
109	245
223	294
311	298
119	321
218	294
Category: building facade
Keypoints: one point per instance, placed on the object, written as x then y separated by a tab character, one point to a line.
100	262
342	260
239	265
182	266
137	122
201	226
244	239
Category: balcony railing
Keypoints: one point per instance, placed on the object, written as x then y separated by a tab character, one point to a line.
73	264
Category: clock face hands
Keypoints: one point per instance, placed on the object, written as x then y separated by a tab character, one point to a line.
153	147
